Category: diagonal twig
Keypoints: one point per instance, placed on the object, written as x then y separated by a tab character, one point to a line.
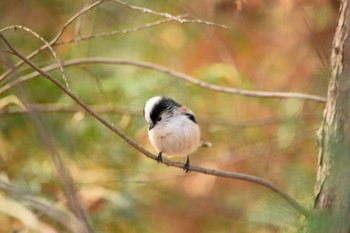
47	44
167	15
113	33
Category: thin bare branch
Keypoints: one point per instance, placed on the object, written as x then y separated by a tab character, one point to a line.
176	74
6	51
131	142
70	109
167	15
53	41
36	35
113	33
73	18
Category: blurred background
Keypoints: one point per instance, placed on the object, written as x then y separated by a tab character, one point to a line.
268	45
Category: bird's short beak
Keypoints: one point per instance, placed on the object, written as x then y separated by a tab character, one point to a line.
151	126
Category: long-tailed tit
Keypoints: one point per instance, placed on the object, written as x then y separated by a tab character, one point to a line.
173	129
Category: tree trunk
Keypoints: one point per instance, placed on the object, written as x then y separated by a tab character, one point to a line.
332	191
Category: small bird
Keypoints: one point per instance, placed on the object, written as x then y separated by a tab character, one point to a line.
173	129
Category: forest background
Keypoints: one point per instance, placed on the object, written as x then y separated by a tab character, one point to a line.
274	46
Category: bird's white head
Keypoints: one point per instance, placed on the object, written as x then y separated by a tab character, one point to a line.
150	104
159	110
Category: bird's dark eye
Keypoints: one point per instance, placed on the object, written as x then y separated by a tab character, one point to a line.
159	119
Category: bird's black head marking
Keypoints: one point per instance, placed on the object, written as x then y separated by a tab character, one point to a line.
162	105
191	117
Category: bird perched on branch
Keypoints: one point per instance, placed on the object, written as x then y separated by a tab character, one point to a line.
173	129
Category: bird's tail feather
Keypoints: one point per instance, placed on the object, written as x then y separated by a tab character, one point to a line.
206	144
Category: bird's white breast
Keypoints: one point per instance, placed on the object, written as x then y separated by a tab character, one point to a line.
180	136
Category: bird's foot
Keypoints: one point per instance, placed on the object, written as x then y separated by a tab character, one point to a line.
187	165
160	157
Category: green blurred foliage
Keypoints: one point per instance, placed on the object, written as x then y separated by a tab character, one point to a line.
266	46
